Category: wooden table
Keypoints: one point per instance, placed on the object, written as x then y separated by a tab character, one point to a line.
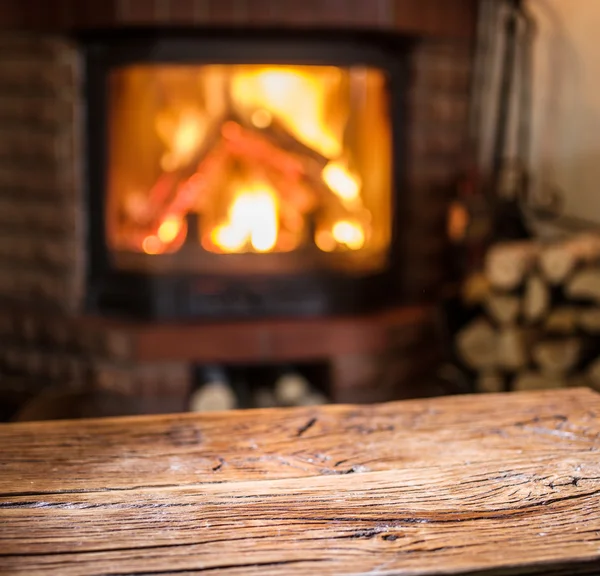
502	484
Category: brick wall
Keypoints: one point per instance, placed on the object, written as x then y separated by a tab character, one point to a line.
438	108
448	18
41	216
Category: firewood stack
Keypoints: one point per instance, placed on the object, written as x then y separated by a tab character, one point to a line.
539	320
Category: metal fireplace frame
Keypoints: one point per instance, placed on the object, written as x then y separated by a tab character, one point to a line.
110	291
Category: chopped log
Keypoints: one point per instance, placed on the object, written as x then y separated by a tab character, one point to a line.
557	357
314	399
512	348
503	308
562	321
585	285
477	345
507	264
490	382
213	397
558	261
536	300
291	388
536	381
589	320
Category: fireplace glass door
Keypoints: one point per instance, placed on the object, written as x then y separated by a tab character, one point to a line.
255	168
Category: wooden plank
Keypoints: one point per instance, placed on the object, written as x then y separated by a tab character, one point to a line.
463	518
162	451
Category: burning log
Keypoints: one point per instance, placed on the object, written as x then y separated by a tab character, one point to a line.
169	186
249	144
278	134
295	170
292	191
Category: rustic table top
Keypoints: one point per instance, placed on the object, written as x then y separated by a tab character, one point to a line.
499	484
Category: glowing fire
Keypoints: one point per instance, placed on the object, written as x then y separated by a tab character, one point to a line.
341	182
252	220
272	204
168	238
182	133
350	234
296	98
169	229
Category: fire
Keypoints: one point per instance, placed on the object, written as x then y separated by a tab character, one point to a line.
296	97
258	154
152	245
341	182
169	229
350	234
183	134
252	220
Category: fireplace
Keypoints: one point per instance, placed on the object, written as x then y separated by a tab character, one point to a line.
99	102
242	175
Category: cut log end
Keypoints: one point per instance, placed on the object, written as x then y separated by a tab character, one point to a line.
504	309
490	382
512	349
537	299
530	380
559	261
585	285
477	345
557	357
507	264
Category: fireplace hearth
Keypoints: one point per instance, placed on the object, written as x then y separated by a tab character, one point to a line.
244	175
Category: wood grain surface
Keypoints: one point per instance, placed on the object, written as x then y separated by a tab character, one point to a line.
497	484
